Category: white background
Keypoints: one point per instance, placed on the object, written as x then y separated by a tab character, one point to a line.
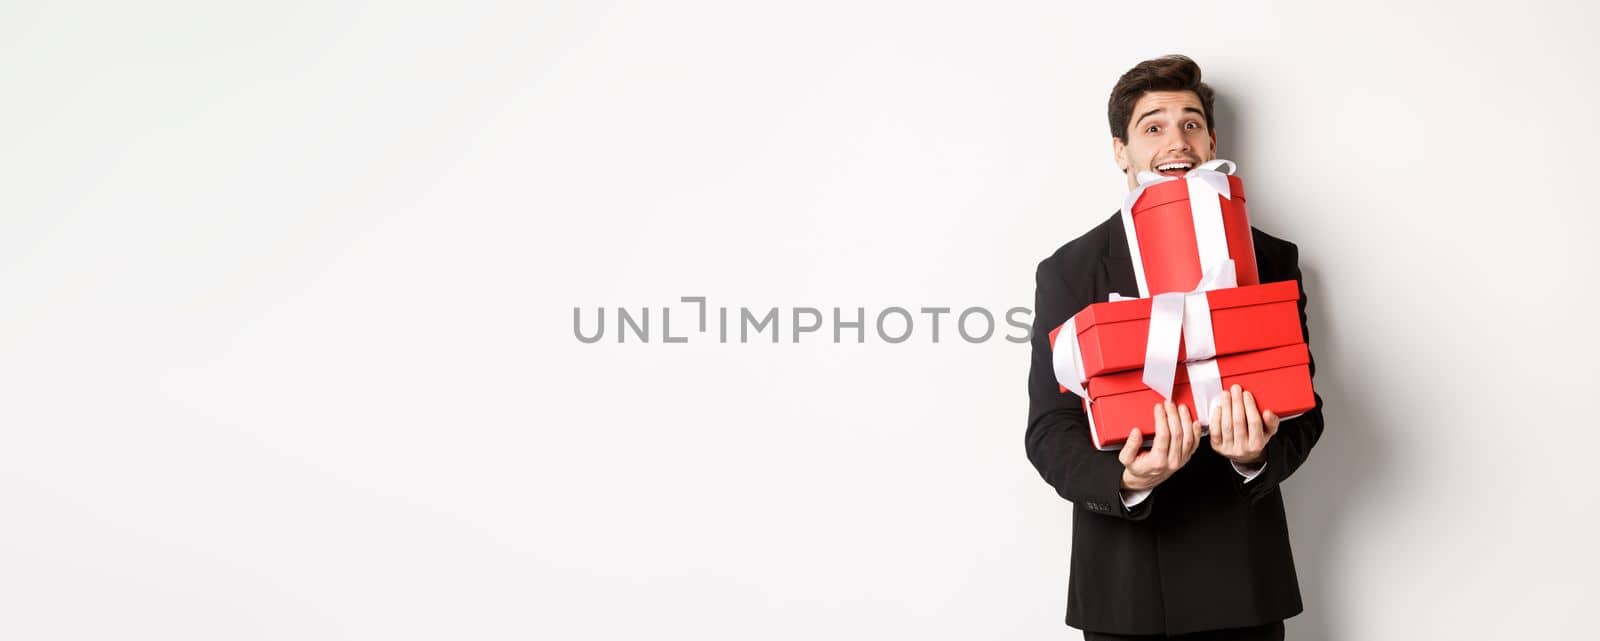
286	343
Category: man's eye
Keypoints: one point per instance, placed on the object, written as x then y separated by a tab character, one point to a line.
1193	125
1151	129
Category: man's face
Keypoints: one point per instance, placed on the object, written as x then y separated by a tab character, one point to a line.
1168	129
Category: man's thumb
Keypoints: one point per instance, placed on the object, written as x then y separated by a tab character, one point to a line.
1130	449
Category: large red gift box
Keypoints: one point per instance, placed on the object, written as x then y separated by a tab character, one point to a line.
1278	378
1111	336
1165	233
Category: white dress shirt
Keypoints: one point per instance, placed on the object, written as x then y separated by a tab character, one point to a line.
1131	498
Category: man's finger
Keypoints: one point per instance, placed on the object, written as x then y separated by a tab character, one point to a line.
1130	449
1258	439
1225	422
1177	434
1192	427
1216	427
1241	431
1271	421
1185	427
1158	446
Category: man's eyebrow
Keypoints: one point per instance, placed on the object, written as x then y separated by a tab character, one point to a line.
1152	112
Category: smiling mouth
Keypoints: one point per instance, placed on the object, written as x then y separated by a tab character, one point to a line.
1175	168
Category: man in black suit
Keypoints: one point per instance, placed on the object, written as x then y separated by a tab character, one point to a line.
1187	538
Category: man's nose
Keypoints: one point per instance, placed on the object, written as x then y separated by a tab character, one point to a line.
1179	143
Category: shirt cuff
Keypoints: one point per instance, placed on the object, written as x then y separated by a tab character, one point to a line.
1249	474
1131	498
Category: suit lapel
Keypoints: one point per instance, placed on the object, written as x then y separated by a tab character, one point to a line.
1116	274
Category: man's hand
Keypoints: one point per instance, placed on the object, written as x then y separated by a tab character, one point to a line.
1239	431
1177	436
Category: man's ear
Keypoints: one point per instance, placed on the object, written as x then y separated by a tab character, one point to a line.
1213	143
1119	153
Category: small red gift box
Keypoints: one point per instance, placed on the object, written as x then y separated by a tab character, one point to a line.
1173	241
1111	336
1278	378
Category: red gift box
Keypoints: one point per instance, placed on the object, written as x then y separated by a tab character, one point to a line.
1174	241
1278	378
1111	336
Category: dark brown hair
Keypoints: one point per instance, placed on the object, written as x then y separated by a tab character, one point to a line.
1167	73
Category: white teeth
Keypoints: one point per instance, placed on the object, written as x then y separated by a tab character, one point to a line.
1173	165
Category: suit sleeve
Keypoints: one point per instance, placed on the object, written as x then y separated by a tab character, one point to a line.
1290	447
1058	441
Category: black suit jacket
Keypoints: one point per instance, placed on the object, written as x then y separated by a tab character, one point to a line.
1205	550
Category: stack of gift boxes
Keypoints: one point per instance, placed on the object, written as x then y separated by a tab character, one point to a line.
1202	322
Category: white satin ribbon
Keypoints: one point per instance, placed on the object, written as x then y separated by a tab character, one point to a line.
1067	361
1205	381
1205	184
1186	315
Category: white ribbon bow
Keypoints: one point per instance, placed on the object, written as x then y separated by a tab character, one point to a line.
1067	361
1205	184
1187	314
